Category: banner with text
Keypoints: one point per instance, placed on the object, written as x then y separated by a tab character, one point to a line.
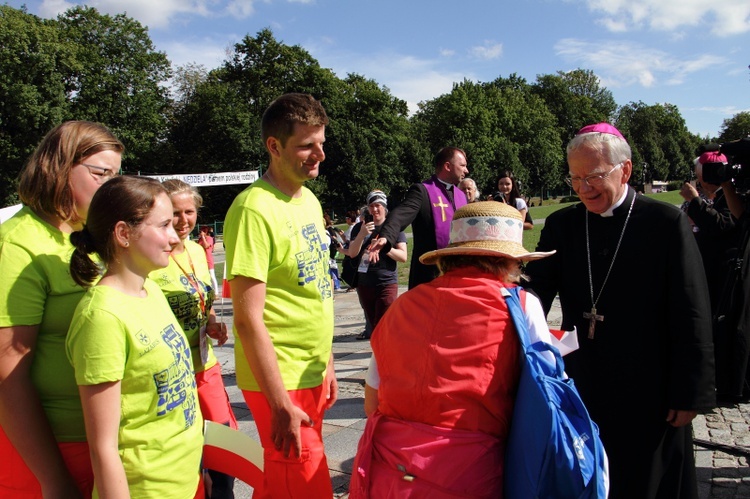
212	179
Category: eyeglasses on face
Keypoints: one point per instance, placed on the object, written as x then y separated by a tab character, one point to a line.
99	173
591	180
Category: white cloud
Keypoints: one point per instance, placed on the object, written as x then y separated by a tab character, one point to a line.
490	50
621	64
209	53
725	110
447	52
241	9
51	8
720	17
409	78
156	13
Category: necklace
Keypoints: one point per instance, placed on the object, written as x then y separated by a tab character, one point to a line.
192	280
592	316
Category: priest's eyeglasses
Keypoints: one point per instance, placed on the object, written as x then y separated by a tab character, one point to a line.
591	180
99	173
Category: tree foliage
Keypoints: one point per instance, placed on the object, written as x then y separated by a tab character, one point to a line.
736	127
501	125
33	64
216	125
576	99
118	79
85	65
663	148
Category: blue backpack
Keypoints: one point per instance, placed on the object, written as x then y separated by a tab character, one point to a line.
554	450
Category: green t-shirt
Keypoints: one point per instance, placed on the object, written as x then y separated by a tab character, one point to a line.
280	240
184	299
36	289
117	337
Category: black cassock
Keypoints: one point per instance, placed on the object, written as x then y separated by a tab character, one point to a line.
653	350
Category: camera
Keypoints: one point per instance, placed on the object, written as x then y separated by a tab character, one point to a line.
368	217
498	196
736	170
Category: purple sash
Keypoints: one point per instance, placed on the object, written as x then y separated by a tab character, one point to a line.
442	208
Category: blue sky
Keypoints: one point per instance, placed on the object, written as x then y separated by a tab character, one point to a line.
691	53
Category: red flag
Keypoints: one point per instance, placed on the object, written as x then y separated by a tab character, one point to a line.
226	291
565	341
232	452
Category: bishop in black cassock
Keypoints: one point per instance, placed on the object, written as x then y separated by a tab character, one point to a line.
635	290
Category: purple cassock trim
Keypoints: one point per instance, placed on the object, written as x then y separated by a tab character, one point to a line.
442	208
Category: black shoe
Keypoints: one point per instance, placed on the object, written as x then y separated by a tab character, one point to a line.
362	336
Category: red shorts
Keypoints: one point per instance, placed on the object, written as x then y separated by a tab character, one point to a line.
17	480
292	477
213	398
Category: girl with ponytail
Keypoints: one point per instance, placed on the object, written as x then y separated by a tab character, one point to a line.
131	358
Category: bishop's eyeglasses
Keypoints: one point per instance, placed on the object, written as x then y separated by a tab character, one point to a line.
591	180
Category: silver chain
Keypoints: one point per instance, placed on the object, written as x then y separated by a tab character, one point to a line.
612	264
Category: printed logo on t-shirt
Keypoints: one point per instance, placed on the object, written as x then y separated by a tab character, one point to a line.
174	384
185	304
312	264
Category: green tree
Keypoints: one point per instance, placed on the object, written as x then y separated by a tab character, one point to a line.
501	125
217	116
213	130
576	98
32	92
119	79
368	140
663	148
186	80
533	128
736	127
263	68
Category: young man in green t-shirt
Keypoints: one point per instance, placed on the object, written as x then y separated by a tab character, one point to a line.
277	266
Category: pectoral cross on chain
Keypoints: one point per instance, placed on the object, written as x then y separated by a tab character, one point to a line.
592	317
440	204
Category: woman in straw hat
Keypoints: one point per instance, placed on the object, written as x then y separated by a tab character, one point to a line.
445	367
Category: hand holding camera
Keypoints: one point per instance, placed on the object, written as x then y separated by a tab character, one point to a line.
688	191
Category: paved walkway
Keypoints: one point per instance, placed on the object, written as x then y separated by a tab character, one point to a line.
723	470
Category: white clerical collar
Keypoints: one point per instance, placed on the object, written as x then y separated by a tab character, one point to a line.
448	185
611	210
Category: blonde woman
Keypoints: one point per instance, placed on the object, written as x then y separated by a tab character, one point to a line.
186	282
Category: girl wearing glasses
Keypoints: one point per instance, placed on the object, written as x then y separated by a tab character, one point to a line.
132	361
42	436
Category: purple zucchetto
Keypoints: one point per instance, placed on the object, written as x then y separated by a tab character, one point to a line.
712	157
601	128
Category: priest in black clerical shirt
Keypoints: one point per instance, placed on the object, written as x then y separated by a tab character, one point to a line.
429	208
630	280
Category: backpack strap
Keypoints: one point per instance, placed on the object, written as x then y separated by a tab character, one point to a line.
513	301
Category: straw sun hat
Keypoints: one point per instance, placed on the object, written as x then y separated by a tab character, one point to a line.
486	228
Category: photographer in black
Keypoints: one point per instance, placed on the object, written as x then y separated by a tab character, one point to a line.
731	310
714	227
